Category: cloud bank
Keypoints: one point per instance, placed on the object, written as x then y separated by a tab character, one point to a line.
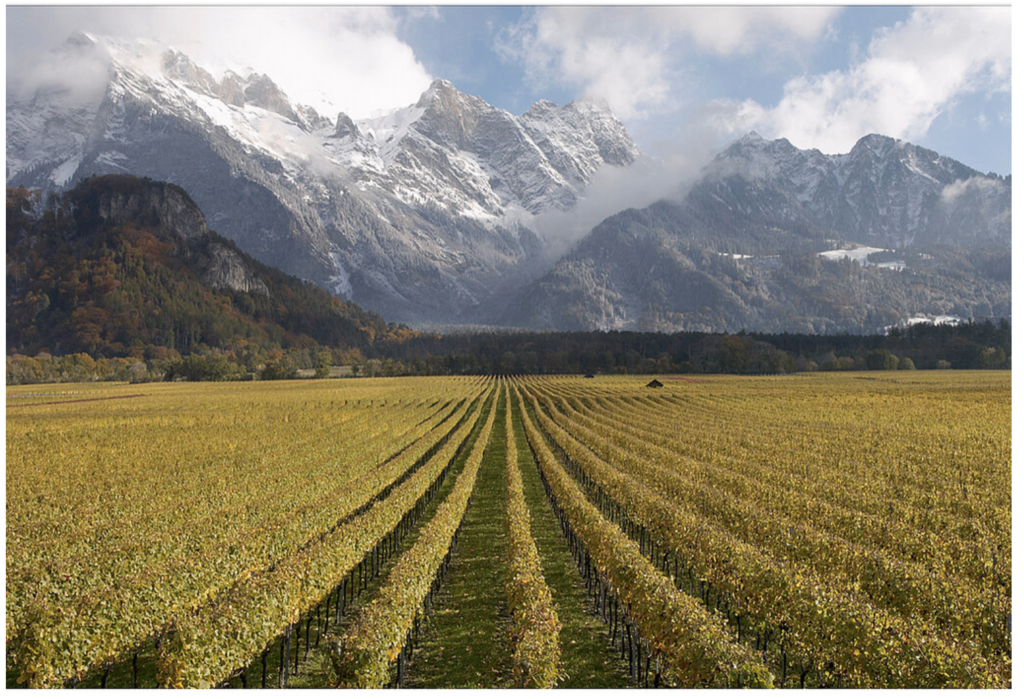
628	56
331	58
644	62
911	73
979	185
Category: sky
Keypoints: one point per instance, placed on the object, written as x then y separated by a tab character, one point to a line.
821	76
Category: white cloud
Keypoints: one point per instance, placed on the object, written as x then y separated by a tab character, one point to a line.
629	55
909	75
744	30
77	81
421	12
612	189
981	185
332	58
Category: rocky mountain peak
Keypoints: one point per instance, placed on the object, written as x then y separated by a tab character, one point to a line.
877	142
450	116
579	138
884	192
178	66
232	89
877	149
443	96
344	127
753	143
263	92
541	109
440	86
79	38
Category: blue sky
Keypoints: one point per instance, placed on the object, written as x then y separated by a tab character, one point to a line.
820	76
967	118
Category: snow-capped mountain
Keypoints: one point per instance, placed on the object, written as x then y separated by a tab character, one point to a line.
429	214
883	192
422	214
780	239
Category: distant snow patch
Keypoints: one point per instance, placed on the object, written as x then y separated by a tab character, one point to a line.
860	254
934	320
476	212
925	319
340	282
63	173
741	256
388	130
110	158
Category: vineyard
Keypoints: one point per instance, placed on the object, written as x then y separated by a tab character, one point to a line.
803	531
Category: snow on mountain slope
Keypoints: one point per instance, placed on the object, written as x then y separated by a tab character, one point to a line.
419	214
884	192
781	239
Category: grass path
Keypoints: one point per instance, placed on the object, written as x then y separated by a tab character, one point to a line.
465	643
588	657
317	671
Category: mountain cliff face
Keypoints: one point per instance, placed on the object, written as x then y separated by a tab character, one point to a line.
121	265
429	214
420	214
775	238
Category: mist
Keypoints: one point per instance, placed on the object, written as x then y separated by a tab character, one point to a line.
294	144
78	76
668	175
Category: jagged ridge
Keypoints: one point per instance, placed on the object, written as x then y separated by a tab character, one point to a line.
773	238
421	214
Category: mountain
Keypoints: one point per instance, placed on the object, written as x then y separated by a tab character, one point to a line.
884	192
423	214
774	238
430	214
120	265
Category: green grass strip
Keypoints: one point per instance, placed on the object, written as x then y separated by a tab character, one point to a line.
589	659
535	625
381	634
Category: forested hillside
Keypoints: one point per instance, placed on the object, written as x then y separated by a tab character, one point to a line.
122	266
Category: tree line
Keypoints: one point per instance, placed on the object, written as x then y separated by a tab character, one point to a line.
985	345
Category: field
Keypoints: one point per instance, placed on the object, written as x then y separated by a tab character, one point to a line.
819	530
